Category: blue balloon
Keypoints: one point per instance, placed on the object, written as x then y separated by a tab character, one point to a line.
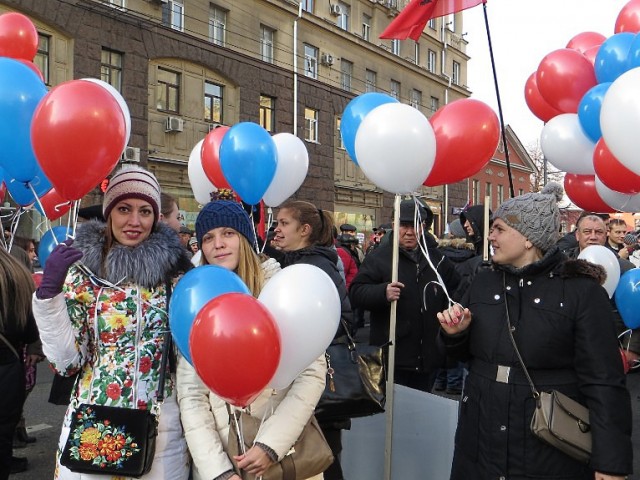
22	194
633	58
248	159
20	92
353	115
196	288
627	297
589	110
49	240
612	59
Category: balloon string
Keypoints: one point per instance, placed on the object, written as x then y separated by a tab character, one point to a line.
269	221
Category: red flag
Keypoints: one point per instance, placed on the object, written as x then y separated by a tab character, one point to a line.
411	21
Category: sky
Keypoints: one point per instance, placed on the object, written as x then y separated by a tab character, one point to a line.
522	33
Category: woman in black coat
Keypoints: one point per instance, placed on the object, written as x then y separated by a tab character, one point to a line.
305	234
562	323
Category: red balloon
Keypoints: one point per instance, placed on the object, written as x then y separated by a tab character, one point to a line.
77	133
581	190
612	173
53	205
235	347
37	278
33	67
18	36
3	191
563	77
538	105
467	135
586	40
629	18
591	54
211	157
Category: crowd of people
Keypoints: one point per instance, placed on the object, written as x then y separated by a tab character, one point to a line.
100	317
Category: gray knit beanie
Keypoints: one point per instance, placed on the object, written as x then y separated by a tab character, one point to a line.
132	181
224	213
534	215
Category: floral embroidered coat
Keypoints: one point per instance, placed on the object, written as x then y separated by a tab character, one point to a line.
114	336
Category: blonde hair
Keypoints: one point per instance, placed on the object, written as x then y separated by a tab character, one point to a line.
16	289
248	269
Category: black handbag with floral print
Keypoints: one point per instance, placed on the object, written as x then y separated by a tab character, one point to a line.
116	441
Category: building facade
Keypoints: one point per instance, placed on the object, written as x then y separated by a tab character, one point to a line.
186	66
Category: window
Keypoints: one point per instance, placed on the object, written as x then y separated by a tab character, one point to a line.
416	54
217	25
520	191
307	5
111	68
394	89
500	193
267	36
370	80
343	17
435	104
213	102
487	191
395	46
42	56
431	61
451	23
366	27
456	73
267	113
117	3
340	142
173	14
310	61
416	98
432	23
475	192
311	125
168	91
346	73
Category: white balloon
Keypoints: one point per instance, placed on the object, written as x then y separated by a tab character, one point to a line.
620	119
616	200
601	255
200	183
396	147
305	304
291	169
123	106
566	146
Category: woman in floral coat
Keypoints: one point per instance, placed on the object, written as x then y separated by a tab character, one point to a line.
105	317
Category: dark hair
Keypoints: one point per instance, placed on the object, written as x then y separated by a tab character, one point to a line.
320	221
166	203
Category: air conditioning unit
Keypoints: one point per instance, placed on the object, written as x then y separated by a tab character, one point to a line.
174	124
335	9
326	59
214	125
131	154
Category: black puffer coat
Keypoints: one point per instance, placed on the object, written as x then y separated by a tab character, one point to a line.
564	331
421	298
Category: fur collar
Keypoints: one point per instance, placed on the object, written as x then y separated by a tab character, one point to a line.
148	264
582	268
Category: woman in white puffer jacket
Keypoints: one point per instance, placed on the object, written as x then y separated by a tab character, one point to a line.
226	238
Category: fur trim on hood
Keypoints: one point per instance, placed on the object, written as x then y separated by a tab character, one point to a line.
582	268
459	243
148	264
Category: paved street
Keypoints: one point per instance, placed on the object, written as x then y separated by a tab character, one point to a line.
44	420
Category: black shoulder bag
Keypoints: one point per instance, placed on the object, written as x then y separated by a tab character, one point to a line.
115	440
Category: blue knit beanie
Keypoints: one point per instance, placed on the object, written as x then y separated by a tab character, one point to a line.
224	213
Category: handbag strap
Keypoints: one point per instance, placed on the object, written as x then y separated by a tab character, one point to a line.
8	344
534	391
168	342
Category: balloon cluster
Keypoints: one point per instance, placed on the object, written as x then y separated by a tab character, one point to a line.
399	149
56	145
240	345
247	159
589	96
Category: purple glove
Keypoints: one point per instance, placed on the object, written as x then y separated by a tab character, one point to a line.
55	272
